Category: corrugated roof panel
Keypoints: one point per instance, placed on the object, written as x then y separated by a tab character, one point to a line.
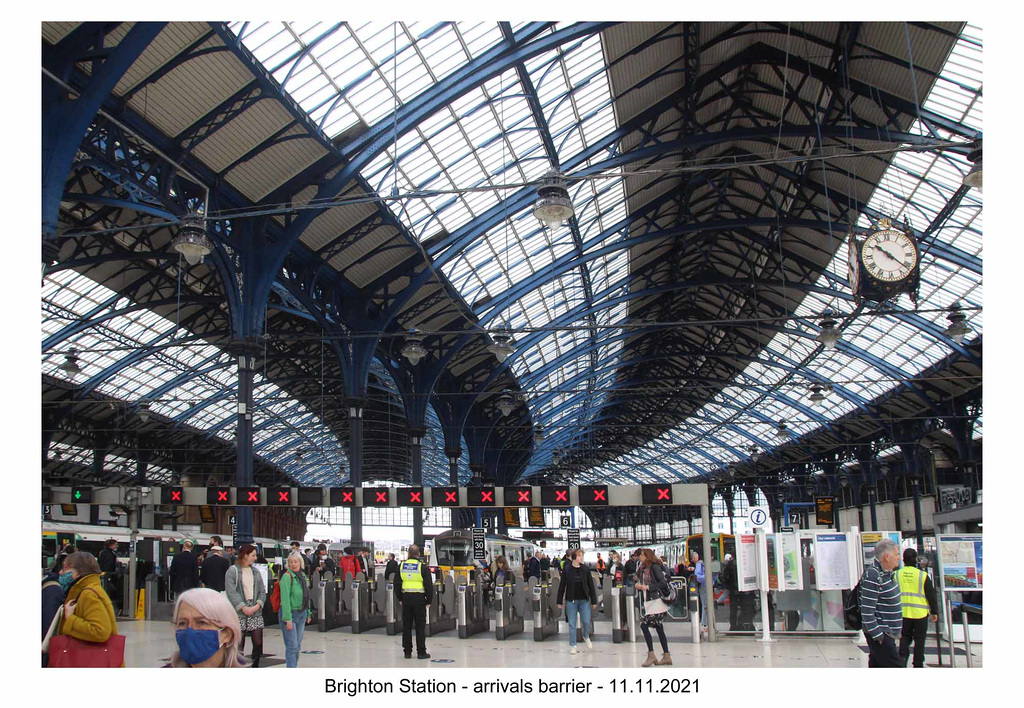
258	177
54	32
171	41
245	131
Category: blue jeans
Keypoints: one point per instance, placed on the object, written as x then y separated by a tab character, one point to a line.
571	608
293	637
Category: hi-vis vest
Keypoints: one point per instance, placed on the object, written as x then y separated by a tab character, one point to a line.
412	578
915	604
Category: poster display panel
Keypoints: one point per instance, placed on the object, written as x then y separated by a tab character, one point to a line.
789	553
746	562
960	562
773	563
869	539
832	561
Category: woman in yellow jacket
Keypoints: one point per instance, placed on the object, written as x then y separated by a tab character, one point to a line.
88	612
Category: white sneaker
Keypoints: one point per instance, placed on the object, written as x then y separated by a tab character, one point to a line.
590	645
572	650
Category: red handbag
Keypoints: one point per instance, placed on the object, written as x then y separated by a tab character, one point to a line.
68	652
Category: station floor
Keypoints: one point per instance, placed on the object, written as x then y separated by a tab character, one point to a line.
150	644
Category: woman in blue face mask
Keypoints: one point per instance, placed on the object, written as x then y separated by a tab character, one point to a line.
206	630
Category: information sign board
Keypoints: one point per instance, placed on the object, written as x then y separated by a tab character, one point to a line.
536	517
573	539
832	561
746	562
479	544
960	562
825	511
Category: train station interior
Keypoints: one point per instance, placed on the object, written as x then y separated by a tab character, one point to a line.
513	289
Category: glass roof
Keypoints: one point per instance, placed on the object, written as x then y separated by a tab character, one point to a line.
193	383
917	185
62	453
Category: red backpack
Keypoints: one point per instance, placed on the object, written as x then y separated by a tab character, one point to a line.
275	595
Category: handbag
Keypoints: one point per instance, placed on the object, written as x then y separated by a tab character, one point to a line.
53	628
68	652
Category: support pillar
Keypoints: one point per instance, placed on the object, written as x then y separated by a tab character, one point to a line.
355	462
243	444
872	495
916	484
416	454
709	592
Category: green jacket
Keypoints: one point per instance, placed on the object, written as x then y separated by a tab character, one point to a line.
294	594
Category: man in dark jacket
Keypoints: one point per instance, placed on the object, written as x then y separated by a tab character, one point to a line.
533	567
579	593
184	574
391	569
729	579
108	557
214	568
629	570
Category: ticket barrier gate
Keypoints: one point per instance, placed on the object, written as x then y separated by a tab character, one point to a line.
441	613
368	603
693	609
331	601
510	609
545	607
617	604
472	610
393	611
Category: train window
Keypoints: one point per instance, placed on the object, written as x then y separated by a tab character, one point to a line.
454	551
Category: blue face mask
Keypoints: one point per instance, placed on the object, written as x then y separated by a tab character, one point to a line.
65	580
197	645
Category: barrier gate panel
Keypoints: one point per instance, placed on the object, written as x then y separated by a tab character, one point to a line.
472	618
441	615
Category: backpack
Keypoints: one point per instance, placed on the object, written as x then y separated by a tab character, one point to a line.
670	595
275	596
851	609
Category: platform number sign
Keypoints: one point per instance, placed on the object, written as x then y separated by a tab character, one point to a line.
794	518
758	517
479	544
565	522
486	522
573	536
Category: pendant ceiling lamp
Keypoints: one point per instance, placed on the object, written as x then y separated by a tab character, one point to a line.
413	350
501	348
553	205
191	241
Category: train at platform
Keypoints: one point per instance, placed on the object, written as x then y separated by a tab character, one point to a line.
453	550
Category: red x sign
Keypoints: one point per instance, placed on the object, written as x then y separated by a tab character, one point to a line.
451	497
599	495
524	495
175	496
382	496
561	495
222	496
254	496
663	493
486	496
282	496
416	497
347	497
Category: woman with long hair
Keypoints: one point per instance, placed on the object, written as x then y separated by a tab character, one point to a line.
247	594
653	584
207	631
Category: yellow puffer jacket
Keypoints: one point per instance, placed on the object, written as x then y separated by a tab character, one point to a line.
93	619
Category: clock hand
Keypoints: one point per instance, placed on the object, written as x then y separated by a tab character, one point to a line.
889	255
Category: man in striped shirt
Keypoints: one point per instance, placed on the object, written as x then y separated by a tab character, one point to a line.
881	606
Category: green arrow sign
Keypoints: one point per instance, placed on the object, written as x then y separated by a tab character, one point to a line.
78	494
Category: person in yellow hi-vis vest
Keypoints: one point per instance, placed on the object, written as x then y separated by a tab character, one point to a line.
919	605
415	588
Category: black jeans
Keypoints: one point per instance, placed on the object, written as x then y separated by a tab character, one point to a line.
883	654
414	609
916	631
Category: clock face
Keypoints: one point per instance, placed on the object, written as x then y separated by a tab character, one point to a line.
853	265
889	255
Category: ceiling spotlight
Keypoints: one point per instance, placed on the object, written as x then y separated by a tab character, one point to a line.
502	346
958	327
538	433
553	205
973	177
829	334
755	454
298	455
144	411
817	397
70	365
191	241
506	403
782	432
414	349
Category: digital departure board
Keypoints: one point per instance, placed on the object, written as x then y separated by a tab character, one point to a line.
279	496
410	496
172	495
593	494
343	496
480	496
311	496
444	496
376	496
657	494
554	496
247	496
218	495
518	496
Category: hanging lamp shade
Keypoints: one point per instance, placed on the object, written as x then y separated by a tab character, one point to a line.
70	365
538	433
782	432
958	328
973	177
501	348
505	404
191	241
817	397
830	334
413	350
553	205
144	411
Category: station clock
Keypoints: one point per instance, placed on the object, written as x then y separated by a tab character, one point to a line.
886	263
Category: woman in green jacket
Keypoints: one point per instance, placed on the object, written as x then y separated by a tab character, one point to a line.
294	613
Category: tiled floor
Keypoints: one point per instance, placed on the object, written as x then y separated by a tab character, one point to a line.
150	643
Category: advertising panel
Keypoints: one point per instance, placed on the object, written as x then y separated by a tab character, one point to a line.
789	551
832	561
773	563
960	561
746	562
